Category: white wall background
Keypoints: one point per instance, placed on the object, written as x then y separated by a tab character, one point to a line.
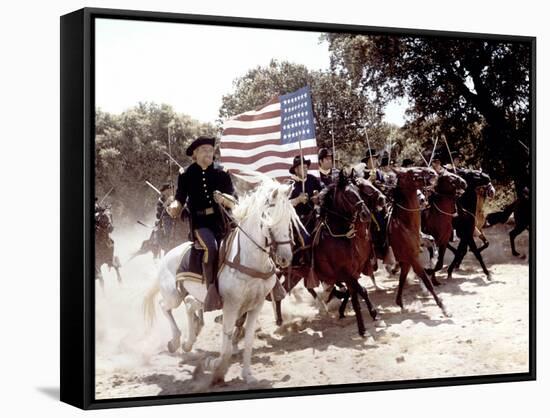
29	213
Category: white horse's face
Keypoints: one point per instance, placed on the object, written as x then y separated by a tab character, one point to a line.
280	233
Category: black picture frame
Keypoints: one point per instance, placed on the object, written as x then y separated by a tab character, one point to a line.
77	222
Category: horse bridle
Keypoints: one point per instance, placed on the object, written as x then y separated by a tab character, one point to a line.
359	206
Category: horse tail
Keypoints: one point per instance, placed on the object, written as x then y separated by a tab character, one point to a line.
149	312
501	216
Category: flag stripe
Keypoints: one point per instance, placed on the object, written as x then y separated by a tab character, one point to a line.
267	154
253	124
258	116
254	131
247	150
268	138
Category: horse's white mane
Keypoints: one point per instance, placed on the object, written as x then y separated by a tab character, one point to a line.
254	204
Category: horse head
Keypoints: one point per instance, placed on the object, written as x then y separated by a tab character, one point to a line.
415	178
478	180
344	199
372	196
449	184
104	220
277	218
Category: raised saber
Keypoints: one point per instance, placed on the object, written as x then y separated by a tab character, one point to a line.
173	159
449	151
105	197
154	188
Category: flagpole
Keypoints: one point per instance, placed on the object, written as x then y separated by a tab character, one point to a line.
332	134
302	165
170	161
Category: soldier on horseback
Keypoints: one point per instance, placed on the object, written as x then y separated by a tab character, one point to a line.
326	170
205	188
164	223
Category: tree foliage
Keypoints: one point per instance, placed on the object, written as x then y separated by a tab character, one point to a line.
129	150
338	107
477	90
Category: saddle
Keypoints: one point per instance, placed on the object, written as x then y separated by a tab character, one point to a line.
191	264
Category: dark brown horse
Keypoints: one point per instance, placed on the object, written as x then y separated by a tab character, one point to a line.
521	208
104	244
437	218
465	222
404	226
343	246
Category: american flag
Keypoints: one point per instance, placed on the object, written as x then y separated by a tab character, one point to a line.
267	139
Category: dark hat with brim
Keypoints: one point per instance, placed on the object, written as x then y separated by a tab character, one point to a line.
374	155
407	162
165	186
384	162
201	140
296	162
324	153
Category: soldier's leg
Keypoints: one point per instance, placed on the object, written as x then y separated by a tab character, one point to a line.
207	240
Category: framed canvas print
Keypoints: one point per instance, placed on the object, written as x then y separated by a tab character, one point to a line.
257	208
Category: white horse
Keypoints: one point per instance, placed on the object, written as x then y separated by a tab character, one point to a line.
262	239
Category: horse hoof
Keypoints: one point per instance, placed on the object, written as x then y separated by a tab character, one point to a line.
249	379
446	313
173	345
187	347
379	323
489	277
279	322
516	254
436	282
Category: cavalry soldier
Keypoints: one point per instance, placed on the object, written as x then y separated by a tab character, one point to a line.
165	223
436	163
304	197
326	170
375	175
205	188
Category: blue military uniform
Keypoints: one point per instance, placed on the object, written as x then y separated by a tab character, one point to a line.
196	187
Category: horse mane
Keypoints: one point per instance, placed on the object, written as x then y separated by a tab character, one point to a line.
254	204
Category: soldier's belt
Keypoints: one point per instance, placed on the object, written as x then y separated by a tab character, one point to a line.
205	212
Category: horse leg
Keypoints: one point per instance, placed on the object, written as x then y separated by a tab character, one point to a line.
419	270
238	333
288	284
372	310
252	316
484	240
117	266
221	364
174	343
405	267
99	276
459	255
513	234
356	308
474	249
193	311
438	265
343	296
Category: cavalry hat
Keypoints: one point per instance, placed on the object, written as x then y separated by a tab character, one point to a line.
201	140
374	155
296	162
384	162
407	162
324	153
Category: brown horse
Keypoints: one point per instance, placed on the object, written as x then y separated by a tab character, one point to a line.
104	244
404	226
465	222
437	218
342	244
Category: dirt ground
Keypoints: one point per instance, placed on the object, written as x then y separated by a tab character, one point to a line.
487	333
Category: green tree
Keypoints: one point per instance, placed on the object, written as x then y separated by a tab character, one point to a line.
478	90
338	107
